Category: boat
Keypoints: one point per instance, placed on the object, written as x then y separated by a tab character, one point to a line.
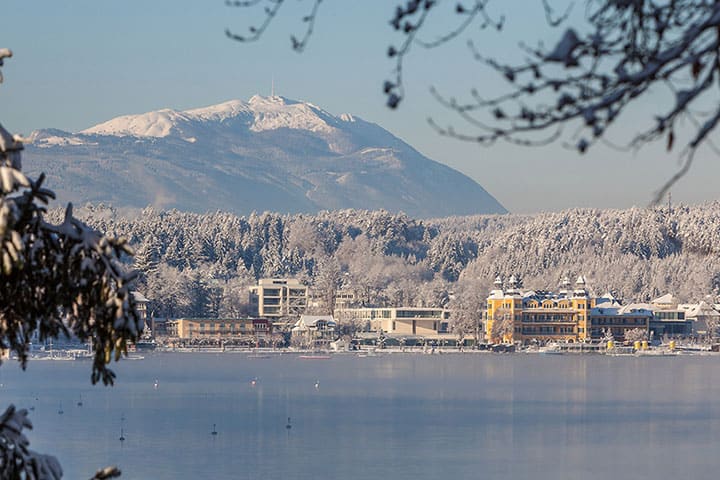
146	345
146	340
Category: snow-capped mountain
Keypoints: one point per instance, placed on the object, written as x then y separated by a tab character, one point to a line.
269	153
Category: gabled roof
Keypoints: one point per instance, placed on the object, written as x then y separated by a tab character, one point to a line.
605	308
701	309
607	300
310	321
636	308
667	299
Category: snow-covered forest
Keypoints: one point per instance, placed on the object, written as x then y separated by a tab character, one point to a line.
201	265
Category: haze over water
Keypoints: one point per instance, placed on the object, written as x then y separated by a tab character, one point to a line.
394	416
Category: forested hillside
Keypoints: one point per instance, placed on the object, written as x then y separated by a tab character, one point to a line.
201	265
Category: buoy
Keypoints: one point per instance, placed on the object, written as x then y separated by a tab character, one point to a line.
288	426
317	384
214	432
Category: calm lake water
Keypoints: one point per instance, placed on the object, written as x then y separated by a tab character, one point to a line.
391	417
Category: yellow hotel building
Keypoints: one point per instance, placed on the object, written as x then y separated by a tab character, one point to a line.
568	316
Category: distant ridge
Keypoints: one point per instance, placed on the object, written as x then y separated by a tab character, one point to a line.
264	154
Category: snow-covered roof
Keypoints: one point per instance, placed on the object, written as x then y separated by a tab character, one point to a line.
701	309
607	299
667	299
636	308
606	308
310	321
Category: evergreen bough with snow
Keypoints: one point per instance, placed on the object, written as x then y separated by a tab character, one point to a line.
55	280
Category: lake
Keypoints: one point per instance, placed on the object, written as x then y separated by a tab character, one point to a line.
397	416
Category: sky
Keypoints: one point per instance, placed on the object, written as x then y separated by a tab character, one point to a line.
80	63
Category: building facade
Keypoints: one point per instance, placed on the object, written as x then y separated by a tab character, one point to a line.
316	331
141	307
278	297
668	319
570	315
426	322
189	328
610	320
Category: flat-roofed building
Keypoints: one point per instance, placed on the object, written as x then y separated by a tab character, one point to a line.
669	319
188	328
608	319
278	297
399	320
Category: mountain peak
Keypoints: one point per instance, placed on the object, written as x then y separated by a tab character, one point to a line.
266	153
152	124
264	113
271	100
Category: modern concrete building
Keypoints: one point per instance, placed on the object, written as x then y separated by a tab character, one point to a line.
668	319
607	319
399	320
278	297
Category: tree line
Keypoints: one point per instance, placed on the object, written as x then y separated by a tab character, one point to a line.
201	265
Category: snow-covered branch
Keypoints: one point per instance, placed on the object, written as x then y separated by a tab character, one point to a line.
61	279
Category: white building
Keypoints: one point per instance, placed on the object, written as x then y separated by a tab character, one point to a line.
399	320
314	330
278	297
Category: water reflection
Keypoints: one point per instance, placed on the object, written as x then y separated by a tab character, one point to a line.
396	416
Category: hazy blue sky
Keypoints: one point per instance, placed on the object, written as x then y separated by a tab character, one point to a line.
80	63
